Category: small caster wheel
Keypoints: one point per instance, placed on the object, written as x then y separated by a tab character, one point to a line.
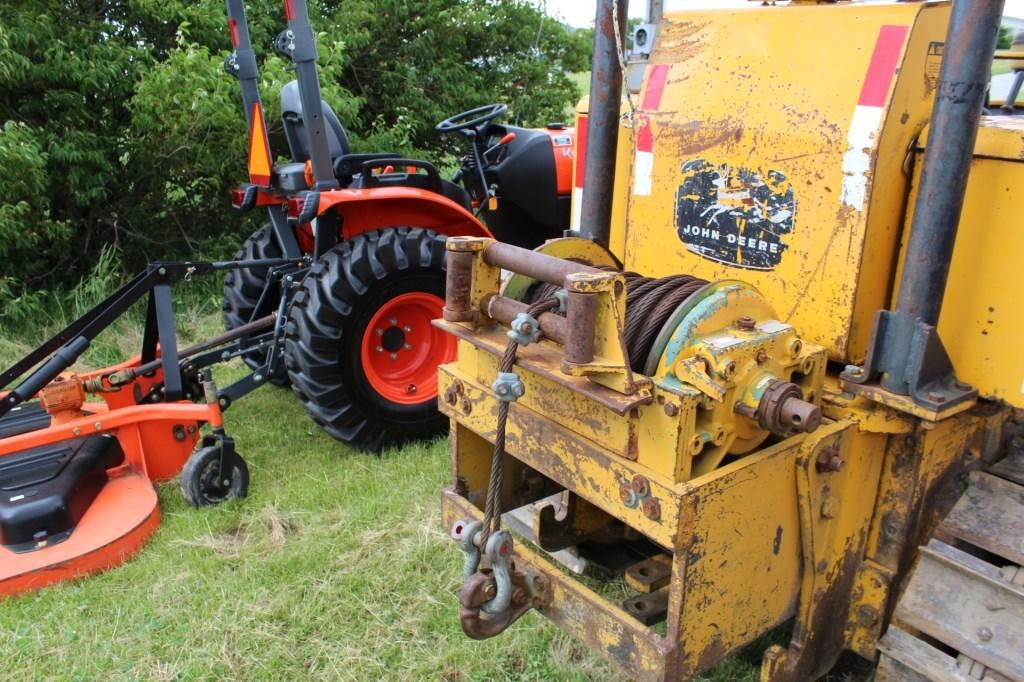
202	483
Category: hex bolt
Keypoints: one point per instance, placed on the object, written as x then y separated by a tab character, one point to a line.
746	323
191	428
380	349
984	633
489	589
467	406
628	495
641	486
936	397
762	357
828	460
519	596
380	332
394	322
652	508
407	346
98	426
394	356
407	329
671	409
963	386
854	370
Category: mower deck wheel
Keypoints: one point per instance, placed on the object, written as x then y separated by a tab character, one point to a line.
202	483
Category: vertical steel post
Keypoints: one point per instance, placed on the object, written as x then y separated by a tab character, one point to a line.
603	120
655	10
300	42
963	81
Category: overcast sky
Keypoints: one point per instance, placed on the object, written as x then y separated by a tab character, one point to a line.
581	12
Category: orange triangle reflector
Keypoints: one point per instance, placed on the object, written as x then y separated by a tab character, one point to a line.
259	149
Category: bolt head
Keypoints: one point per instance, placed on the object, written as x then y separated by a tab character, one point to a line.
746	323
394	356
407	346
406	329
627	496
671	409
410	389
984	633
379	331
394	322
652	508
641	486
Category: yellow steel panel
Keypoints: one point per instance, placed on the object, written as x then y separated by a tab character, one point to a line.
981	323
761	156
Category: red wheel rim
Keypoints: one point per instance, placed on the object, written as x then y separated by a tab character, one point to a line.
401	349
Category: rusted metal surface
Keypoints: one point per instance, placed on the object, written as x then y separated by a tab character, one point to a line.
963	82
905	352
504	310
480	588
603	123
458	287
783	410
581	317
648	608
651	574
546	362
533	264
622	640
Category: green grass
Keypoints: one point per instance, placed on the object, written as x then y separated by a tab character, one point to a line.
335	567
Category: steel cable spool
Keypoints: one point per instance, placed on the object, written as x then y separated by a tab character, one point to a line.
650	303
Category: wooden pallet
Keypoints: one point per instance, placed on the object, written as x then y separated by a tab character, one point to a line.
961	617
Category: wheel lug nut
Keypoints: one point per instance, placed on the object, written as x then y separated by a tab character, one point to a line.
407	329
394	322
408	346
411	388
380	349
394	356
380	332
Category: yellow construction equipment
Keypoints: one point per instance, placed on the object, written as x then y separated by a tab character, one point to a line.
771	381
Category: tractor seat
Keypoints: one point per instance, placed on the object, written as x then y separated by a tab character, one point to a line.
295	128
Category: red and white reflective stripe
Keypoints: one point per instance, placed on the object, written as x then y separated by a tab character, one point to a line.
867	117
643	167
581	167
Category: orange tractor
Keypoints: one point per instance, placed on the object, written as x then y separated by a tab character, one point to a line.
354	339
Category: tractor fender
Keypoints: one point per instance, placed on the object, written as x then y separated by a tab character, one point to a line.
364	210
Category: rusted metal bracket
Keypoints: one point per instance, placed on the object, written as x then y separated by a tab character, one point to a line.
481	588
591	333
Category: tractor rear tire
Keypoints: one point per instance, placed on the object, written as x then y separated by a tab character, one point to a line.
243	288
361	352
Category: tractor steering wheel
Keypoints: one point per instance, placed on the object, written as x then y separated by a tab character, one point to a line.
474	118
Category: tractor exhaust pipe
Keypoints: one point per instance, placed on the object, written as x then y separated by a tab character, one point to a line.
603	120
905	348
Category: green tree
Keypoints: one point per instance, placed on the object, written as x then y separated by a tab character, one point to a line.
119	127
1005	38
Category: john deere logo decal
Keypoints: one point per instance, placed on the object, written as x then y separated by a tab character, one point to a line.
736	216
